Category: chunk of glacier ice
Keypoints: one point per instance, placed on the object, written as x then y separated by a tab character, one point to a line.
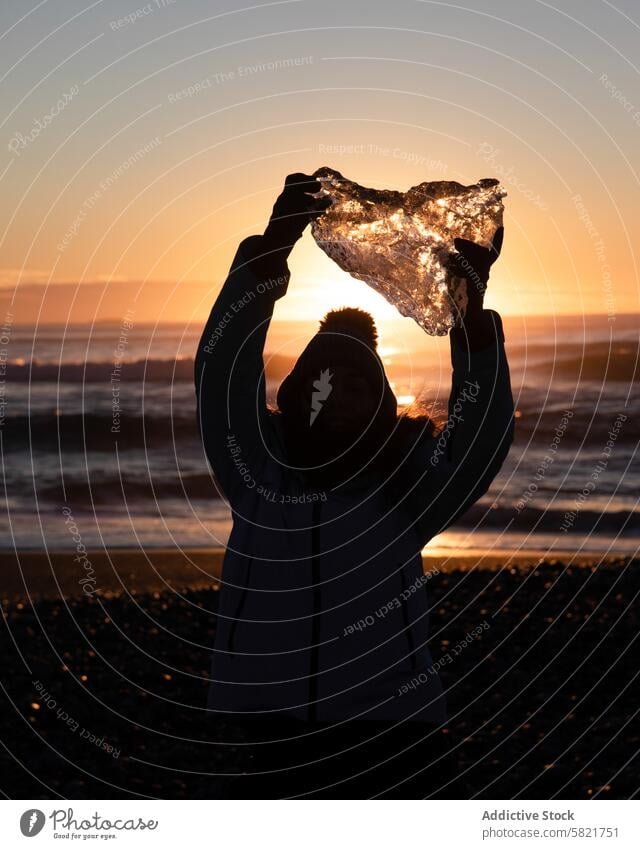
399	242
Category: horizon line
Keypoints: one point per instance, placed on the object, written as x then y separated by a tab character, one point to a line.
118	320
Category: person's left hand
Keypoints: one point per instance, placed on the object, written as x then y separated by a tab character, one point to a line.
294	208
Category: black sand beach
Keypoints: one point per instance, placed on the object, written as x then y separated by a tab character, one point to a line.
104	696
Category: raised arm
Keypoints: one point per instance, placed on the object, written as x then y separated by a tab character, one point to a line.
229	367
457	467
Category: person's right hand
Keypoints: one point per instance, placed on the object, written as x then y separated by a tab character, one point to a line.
294	208
473	262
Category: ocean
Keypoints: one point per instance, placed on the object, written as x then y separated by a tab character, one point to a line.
100	422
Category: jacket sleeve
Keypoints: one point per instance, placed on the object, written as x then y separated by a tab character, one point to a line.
455	468
229	367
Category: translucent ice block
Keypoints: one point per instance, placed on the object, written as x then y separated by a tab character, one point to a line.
399	242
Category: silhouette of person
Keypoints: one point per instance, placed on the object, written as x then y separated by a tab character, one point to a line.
321	652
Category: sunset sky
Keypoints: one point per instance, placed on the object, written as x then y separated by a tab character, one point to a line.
114	169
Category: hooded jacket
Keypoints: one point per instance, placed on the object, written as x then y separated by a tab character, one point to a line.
323	611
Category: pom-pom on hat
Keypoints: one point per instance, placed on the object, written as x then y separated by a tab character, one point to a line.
351	321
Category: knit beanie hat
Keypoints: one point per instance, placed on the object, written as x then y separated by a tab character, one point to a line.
345	337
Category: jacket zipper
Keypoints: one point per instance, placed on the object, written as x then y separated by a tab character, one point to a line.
231	642
315	620
405	618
